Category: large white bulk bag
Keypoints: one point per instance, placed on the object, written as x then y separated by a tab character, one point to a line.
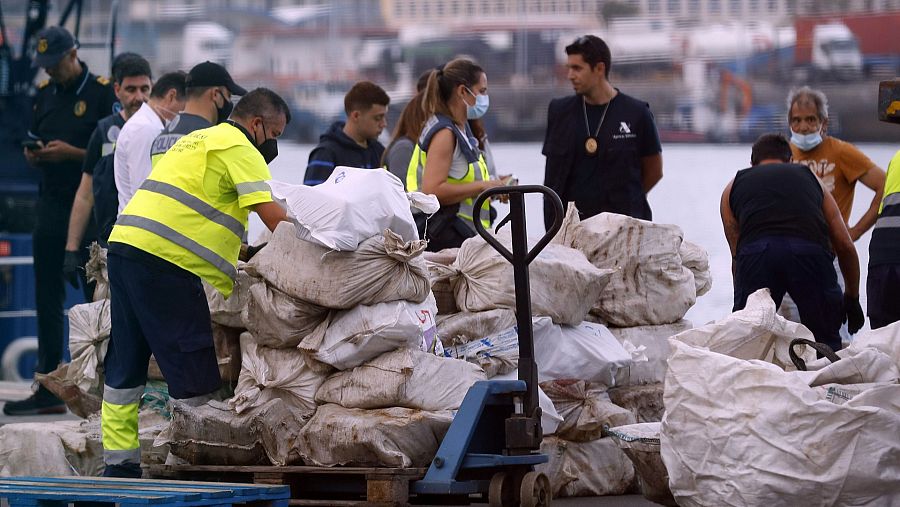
351	206
655	343
585	409
756	332
227	312
405	377
464	327
593	468
383	268
352	337
739	432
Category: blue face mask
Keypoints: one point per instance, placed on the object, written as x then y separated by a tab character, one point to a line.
806	142
481	106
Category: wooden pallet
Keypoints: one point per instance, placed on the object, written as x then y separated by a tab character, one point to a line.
312	486
61	491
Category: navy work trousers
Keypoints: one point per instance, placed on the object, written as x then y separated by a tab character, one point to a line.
800	268
883	293
49	285
163	311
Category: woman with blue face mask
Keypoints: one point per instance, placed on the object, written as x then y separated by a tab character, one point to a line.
447	161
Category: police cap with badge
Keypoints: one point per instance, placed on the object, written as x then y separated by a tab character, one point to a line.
53	43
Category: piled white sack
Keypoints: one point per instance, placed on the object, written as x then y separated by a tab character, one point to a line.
593	468
213	434
406	377
351	206
89	327
652	284
740	428
384	268
464	327
352	337
96	271
268	373
278	320
655	343
228	312
585	352
564	284
392	437
68	448
585	409
640	442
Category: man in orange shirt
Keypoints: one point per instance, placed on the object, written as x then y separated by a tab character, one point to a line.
838	164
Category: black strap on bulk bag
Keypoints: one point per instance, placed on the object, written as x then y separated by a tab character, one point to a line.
821	348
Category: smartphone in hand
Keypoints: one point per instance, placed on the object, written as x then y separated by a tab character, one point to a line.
510	181
32	144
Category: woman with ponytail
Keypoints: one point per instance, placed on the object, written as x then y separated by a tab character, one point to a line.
447	161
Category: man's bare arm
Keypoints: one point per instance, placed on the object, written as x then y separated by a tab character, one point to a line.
873	179
81	212
651	171
729	223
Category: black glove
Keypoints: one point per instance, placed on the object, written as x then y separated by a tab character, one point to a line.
854	316
248	252
71	266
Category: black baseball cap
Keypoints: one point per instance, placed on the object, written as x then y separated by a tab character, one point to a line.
212	74
52	44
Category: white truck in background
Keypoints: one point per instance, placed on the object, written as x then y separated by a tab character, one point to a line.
835	53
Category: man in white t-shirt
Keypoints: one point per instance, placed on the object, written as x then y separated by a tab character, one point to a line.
132	156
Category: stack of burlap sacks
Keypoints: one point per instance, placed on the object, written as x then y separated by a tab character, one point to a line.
636	277
341	364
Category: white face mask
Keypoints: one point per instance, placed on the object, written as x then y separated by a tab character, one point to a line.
806	142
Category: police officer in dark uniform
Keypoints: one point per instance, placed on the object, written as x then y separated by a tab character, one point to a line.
66	112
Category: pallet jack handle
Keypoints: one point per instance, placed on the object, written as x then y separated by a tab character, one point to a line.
520	258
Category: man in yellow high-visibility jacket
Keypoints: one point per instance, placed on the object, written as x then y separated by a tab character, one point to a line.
184	224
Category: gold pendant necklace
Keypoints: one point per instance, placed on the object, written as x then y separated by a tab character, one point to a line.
590	144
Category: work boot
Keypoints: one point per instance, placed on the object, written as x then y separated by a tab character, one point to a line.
42	402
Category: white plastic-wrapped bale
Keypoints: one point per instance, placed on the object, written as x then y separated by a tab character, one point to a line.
227	312
585	408
268	373
353	204
213	434
655	340
96	271
352	337
89	328
594	468
278	320
564	284
403	378
464	327
650	285
384	268
391	437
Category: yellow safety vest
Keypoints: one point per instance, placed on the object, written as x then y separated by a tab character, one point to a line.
477	166
192	210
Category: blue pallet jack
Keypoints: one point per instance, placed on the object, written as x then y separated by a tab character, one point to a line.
493	443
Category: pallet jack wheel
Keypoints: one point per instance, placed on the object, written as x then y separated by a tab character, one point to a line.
503	490
535	490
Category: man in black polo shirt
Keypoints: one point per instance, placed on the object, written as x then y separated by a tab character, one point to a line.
66	112
132	80
784	230
602	148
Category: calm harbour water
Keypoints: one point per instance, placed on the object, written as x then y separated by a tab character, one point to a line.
688	196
